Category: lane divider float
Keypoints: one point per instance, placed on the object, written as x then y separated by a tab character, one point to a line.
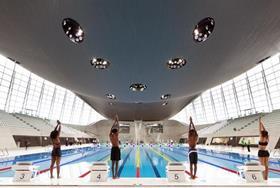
137	157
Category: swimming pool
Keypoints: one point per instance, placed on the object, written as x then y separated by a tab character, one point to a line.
137	161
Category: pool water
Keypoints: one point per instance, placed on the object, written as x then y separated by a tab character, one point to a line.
138	161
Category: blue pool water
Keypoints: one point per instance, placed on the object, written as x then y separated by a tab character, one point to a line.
139	161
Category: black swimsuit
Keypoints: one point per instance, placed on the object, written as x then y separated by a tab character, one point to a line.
115	153
193	156
56	152
263	153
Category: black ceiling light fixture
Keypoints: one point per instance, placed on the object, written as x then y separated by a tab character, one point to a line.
110	96
203	29
164	104
99	63
137	87
176	63
165	97
73	30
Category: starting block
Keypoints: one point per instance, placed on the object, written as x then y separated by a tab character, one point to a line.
176	172
24	171
252	171
99	172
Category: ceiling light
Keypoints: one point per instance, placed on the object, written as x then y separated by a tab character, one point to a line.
73	30
111	96
100	63
176	63
137	87
164	104
166	96
203	29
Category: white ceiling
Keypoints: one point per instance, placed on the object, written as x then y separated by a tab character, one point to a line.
138	37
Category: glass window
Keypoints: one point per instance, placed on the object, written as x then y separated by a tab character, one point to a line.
18	90
218	102
32	95
253	94
231	103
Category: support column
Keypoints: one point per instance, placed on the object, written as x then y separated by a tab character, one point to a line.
7	103
27	90
250	93
213	106
52	103
38	109
63	105
267	92
236	98
203	108
224	101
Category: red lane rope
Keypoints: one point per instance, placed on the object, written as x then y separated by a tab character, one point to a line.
84	174
6	168
273	169
137	172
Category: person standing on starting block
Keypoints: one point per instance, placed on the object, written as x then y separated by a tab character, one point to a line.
56	151
192	141
115	151
263	153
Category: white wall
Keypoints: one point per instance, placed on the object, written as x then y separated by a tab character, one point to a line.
6	139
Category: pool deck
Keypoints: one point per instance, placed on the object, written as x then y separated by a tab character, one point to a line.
137	182
207	177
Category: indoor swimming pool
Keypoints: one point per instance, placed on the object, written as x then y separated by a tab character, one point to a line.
145	161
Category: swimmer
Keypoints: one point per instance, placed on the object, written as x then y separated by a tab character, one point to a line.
263	154
192	141
115	151
56	152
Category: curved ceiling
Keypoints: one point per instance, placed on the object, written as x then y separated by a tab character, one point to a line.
138	37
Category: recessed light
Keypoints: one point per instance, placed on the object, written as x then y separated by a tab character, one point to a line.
137	87
203	29
164	104
111	96
99	63
176	63
166	96
73	30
